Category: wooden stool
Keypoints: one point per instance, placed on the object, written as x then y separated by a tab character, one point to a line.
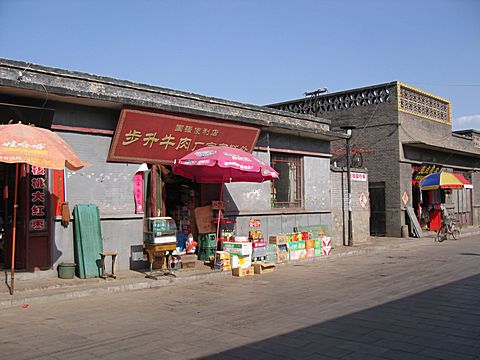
113	254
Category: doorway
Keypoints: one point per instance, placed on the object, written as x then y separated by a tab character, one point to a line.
378	223
32	225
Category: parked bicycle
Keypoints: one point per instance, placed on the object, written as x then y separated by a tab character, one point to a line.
449	228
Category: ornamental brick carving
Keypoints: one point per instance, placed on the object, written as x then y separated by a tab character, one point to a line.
422	104
316	105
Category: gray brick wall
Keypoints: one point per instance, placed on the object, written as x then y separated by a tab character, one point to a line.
360	215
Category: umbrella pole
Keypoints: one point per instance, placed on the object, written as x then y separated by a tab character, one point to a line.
14	231
218	224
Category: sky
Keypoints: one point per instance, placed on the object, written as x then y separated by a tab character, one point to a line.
258	51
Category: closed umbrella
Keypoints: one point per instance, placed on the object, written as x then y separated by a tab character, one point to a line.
35	146
223	164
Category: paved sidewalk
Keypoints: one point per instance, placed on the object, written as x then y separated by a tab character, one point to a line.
51	288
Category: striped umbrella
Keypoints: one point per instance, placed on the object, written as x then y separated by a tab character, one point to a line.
444	180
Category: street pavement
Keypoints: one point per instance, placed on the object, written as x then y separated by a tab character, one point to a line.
420	300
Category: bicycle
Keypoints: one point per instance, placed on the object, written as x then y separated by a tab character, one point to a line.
449	227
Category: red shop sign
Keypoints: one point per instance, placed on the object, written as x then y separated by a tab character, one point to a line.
160	138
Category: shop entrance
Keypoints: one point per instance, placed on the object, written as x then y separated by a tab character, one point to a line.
182	196
32	245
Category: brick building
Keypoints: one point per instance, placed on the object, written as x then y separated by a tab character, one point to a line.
401	131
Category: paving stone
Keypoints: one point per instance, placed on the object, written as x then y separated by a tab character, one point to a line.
425	307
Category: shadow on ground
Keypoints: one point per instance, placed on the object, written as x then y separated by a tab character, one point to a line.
441	323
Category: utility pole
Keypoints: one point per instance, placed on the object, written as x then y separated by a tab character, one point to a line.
348	129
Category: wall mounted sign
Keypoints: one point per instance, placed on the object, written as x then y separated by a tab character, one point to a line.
355	176
160	138
405	198
425	170
363	200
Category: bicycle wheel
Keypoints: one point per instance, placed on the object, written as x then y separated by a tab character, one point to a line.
455	234
442	234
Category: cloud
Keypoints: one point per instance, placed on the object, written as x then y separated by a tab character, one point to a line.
467	122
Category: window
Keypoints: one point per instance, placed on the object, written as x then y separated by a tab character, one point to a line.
287	189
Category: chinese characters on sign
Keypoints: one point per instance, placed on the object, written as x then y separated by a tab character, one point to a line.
425	170
38	199
152	137
358	176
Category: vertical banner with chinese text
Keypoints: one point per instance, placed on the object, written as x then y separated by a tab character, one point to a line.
58	190
38	199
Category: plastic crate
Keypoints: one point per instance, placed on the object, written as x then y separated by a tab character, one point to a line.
204	253
207	240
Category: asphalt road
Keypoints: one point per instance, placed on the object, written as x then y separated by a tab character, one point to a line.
413	303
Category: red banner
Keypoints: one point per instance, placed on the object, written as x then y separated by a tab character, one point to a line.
160	138
58	191
138	192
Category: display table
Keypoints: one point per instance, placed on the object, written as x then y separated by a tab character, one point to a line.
158	250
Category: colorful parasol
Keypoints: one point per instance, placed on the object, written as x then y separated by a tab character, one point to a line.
444	180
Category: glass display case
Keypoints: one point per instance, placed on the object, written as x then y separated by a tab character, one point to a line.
160	230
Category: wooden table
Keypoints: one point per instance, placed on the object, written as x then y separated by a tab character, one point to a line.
158	250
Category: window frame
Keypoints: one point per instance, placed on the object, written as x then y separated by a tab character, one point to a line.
297	160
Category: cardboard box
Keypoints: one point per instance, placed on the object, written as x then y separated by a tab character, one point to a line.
240	272
263	268
296	245
259	252
298	254
239	248
240	261
309	244
271	258
259	244
278	239
317	244
271	249
310	253
282	256
326	241
327	250
204	218
222	261
318	252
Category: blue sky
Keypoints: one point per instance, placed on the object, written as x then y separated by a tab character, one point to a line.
256	51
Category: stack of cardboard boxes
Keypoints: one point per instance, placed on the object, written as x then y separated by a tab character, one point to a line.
298	246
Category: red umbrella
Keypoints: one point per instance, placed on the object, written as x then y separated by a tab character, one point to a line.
223	164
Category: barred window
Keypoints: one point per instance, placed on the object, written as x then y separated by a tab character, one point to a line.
287	190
